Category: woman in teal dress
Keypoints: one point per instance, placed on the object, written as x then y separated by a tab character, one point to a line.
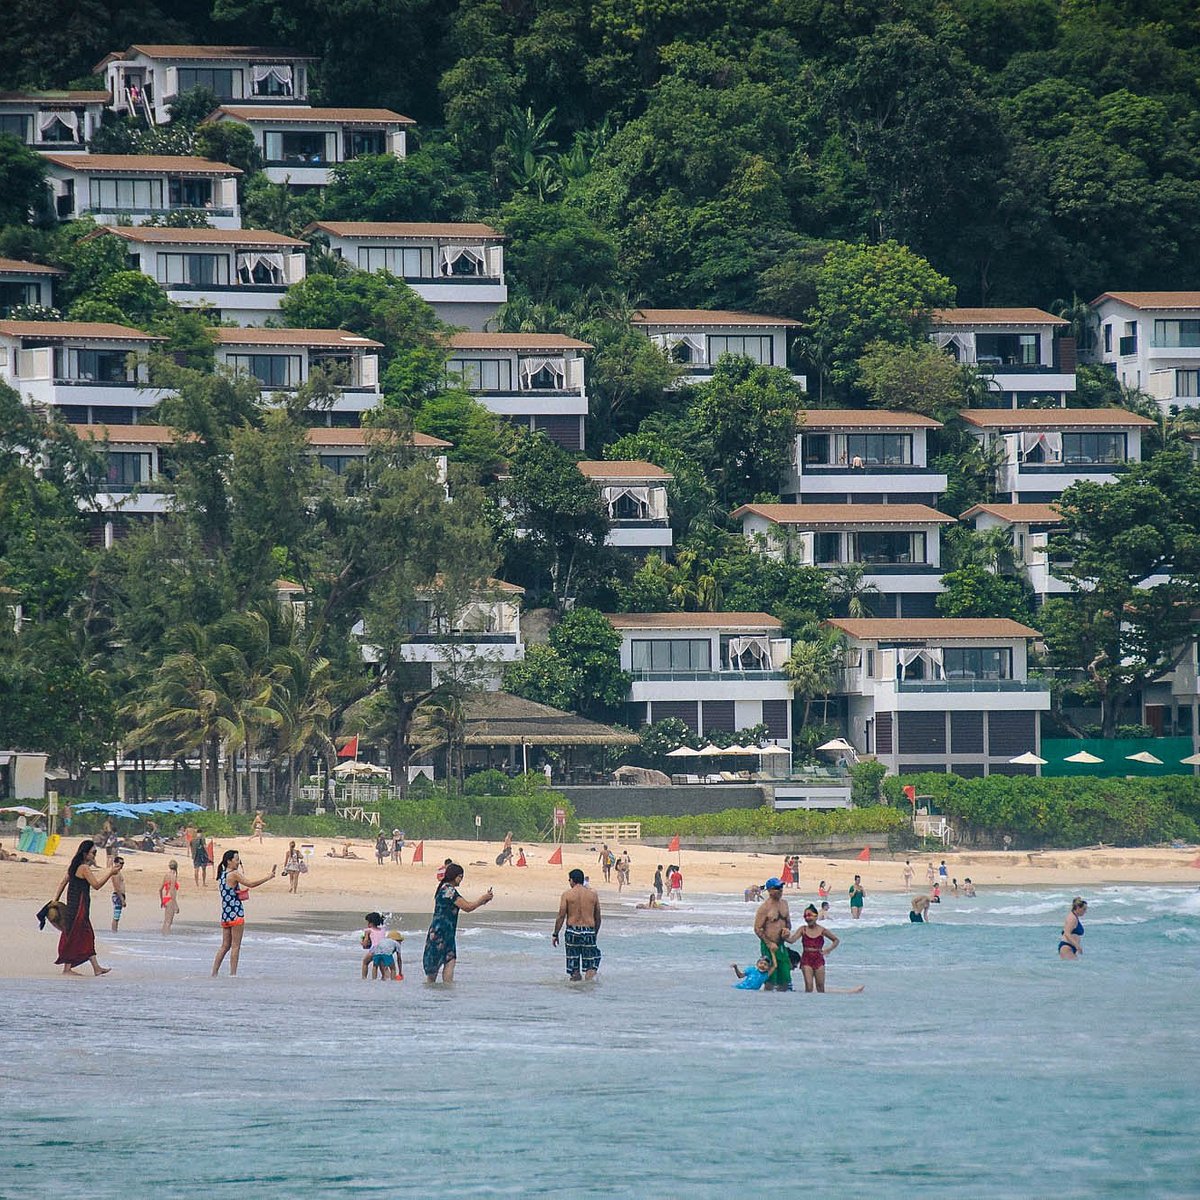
440	950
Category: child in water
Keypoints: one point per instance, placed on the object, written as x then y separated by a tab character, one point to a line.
752	978
371	937
385	958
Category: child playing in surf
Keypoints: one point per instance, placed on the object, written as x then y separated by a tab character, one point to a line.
371	937
385	958
752	978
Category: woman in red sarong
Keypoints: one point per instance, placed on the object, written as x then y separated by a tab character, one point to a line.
77	944
787	878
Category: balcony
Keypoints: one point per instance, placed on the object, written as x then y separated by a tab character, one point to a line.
227	288
968	685
708	676
896	470
885	568
1073	465
463	637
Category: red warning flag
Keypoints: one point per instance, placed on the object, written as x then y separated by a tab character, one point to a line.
911	793
864	855
1194	863
673	845
556	858
419	853
350	749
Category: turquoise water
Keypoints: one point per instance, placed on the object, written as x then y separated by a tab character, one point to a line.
975	1062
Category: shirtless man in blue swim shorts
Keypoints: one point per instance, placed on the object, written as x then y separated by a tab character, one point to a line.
579	910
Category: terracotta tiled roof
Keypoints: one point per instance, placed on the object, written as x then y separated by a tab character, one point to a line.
200	237
1053	418
406	229
686	317
693	620
339	338
52	97
323	436
490	585
152	164
624	469
14	266
61	330
809	516
1152	299
127	435
303	115
515	341
258	53
994	316
862	418
932	628
1033	514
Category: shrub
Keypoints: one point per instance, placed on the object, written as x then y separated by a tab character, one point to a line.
766	822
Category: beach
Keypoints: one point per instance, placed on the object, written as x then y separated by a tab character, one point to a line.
355	886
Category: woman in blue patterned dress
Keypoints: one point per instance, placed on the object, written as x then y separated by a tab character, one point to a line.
233	887
440	950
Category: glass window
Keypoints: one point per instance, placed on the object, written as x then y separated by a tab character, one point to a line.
405	262
889	546
978	662
758	349
210	270
365	141
886	449
18	125
1007	349
1088	448
295	147
271	370
1187	383
483	374
93	366
276	82
337	463
59	131
1108	339
126	468
672	654
827	548
815	449
1177	333
191	193
216	79
13	294
113	195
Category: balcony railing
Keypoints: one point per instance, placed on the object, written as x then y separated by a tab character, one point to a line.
970	685
868	468
648	523
1127	346
463	637
225	287
119	383
707	676
154	212
1188	344
1067	464
463	280
885	568
1018	368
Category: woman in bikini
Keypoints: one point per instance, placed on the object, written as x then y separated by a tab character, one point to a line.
812	940
233	887
1069	944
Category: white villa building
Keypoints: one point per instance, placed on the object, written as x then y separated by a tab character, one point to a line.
535	380
236	274
122	189
942	694
1031	527
144	81
300	145
456	267
24	283
1042	451
61	121
863	456
634	495
136	457
335	447
1152	342
713	671
1019	350
91	372
695	338
898	545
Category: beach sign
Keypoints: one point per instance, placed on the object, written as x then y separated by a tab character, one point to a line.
307	849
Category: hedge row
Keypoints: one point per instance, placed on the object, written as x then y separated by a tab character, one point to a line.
1064	812
766	822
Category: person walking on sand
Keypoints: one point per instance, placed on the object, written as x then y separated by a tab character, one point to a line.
200	859
772	924
908	875
233	887
398	847
293	867
441	952
77	944
258	827
168	895
579	908
857	895
1070	944
787	878
382	849
606	862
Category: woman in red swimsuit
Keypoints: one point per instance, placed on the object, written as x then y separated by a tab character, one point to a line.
812	938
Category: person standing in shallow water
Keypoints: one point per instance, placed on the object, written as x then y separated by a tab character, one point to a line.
441	951
77	944
233	887
579	908
857	895
1070	944
772	924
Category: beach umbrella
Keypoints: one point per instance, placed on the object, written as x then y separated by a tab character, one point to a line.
1028	759
773	750
1083	757
683	752
1144	756
359	768
23	810
836	744
736	749
1192	760
710	749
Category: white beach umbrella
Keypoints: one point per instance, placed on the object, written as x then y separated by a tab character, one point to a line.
1083	757
1192	760
836	744
1028	759
359	768
710	749
1144	756
739	749
683	752
773	750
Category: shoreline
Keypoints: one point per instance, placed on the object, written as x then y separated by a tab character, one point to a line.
355	886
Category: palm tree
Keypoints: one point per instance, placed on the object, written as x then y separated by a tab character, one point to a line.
813	667
849	590
303	683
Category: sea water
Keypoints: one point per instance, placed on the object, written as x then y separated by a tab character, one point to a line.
975	1063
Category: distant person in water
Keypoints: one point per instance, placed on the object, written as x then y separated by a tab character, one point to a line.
386	962
1070	944
752	978
441	949
857	895
824	910
372	935
658	880
753	892
919	912
968	887
812	938
651	903
935	896
579	910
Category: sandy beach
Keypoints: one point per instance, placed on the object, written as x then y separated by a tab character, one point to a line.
357	885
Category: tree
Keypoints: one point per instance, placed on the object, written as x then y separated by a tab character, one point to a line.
866	294
542	676
22	182
230	142
123	298
426	186
974	591
849	591
917	378
479	440
1134	571
812	669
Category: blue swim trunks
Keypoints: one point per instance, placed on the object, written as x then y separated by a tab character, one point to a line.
582	952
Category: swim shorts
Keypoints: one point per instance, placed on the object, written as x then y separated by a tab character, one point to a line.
231	924
582	952
781	976
383	960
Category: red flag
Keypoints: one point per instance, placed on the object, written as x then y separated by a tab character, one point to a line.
419	853
1194	863
556	858
911	793
673	845
350	749
864	855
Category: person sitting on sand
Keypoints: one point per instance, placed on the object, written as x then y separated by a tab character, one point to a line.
6	855
385	958
920	910
752	978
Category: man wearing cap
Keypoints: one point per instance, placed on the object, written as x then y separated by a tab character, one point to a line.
772	923
579	908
